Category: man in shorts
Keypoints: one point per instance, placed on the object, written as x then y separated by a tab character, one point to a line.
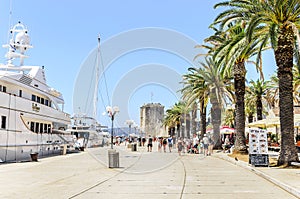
205	144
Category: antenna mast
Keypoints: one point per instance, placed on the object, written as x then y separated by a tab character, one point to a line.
96	81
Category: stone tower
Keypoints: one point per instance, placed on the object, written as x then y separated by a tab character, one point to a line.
152	116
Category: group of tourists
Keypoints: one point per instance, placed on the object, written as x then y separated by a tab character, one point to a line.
162	143
193	146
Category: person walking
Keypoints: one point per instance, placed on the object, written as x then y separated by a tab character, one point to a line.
180	146
159	140
150	145
205	144
143	141
170	143
210	146
164	142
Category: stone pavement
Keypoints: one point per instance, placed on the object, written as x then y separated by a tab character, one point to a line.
145	174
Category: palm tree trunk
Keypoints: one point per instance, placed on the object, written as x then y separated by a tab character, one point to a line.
216	122
216	119
193	120
239	73
259	108
178	130
202	119
250	118
284	61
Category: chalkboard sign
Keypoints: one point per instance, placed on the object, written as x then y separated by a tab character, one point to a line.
259	159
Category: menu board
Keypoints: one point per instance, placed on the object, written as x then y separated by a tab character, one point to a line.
258	147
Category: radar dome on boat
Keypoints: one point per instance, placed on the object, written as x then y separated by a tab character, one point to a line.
22	38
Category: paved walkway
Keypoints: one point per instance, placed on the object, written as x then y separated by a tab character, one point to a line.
145	174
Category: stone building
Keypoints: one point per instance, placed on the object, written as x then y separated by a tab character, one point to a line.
151	116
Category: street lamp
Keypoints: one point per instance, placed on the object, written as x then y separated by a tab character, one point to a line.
111	113
129	123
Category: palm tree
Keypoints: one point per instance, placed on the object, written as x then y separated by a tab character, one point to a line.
174	115
229	117
232	52
250	104
257	90
211	74
214	83
278	22
195	91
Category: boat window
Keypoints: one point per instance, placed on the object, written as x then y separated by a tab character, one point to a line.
20	93
33	98
46	102
4	89
41	127
45	128
38	99
32	126
3	122
42	101
49	128
37	127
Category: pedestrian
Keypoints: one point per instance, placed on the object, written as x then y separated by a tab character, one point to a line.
170	143
180	146
205	145
227	144
143	141
201	146
159	140
150	145
210	145
195	140
164	142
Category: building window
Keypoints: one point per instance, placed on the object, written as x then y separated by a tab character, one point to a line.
3	122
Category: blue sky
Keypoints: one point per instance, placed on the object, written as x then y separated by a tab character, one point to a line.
64	33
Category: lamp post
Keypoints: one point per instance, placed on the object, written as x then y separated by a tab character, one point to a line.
129	123
111	113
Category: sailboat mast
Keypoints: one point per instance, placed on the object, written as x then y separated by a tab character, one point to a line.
96	81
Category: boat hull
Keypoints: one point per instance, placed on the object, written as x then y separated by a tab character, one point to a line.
19	137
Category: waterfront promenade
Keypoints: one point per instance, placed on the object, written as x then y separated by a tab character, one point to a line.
145	174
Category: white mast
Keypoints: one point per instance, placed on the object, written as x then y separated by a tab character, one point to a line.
96	81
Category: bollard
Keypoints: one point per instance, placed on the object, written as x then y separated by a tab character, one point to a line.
134	147
34	157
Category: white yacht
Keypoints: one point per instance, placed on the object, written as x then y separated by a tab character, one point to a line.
87	132
31	113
